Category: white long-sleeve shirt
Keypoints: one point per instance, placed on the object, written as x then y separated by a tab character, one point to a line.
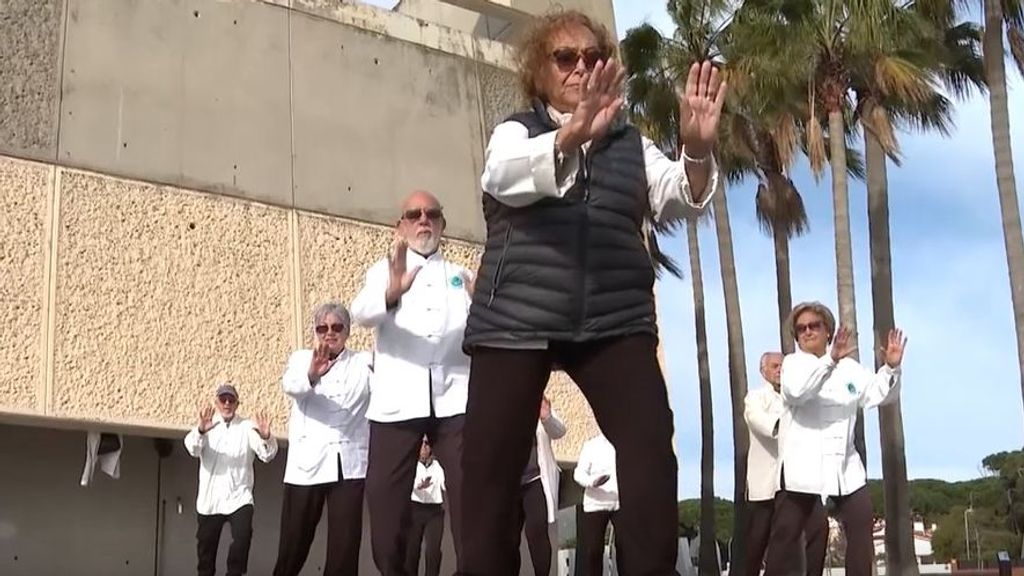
519	170
327	421
433	494
418	357
597	458
763	409
225	454
816	431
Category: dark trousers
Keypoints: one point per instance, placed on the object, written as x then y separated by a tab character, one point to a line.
591	528
426	526
532	521
759	527
792	510
394	449
208	539
300	514
622	381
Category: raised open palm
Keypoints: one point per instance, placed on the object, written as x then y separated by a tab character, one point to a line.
400	277
600	101
321	362
263	425
205	419
893	350
700	109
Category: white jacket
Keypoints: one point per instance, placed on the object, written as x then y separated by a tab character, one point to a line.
816	432
763	412
553	429
328	420
418	357
597	458
226	453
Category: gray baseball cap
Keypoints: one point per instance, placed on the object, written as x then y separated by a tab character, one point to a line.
227	389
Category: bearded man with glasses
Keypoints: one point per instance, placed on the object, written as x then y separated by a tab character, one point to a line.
416	302
328	441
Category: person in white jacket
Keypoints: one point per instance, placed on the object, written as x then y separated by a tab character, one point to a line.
823	387
426	525
226	445
596	473
416	301
538	505
328	441
763	411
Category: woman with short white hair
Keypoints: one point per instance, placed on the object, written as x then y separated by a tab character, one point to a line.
823	387
328	441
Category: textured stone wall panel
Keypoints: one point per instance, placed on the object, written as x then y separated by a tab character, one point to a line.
30	47
575	411
24	192
161	294
499	94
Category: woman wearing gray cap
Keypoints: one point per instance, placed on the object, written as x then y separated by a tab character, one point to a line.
328	440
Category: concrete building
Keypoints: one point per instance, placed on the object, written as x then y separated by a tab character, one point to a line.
181	181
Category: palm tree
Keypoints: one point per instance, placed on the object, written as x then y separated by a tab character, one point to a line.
897	86
707	563
1006	15
655	66
816	42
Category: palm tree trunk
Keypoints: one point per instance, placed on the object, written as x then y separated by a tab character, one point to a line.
900	558
707	562
737	376
783	289
844	247
995	73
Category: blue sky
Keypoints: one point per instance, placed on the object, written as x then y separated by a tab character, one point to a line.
962	396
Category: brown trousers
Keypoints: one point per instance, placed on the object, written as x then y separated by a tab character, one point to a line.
793	511
622	380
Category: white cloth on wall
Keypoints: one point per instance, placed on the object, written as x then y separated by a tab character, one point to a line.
109	460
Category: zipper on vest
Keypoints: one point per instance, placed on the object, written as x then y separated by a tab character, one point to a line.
501	263
584	240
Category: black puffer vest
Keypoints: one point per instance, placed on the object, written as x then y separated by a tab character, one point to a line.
571	269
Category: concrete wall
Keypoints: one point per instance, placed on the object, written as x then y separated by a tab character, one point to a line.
324	106
182	181
127	301
144	522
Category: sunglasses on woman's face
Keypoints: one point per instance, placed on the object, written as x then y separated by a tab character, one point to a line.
568	58
809	327
336	328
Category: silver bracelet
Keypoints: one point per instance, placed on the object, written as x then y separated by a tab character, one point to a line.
693	160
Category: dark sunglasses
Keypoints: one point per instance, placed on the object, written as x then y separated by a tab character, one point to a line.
813	326
336	328
414	214
568	58
227	399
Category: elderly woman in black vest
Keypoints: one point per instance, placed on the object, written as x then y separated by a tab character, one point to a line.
565	280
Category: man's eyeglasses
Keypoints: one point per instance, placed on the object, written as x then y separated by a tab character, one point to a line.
568	58
811	326
414	214
336	328
227	399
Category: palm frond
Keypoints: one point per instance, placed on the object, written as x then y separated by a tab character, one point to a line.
1015	36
